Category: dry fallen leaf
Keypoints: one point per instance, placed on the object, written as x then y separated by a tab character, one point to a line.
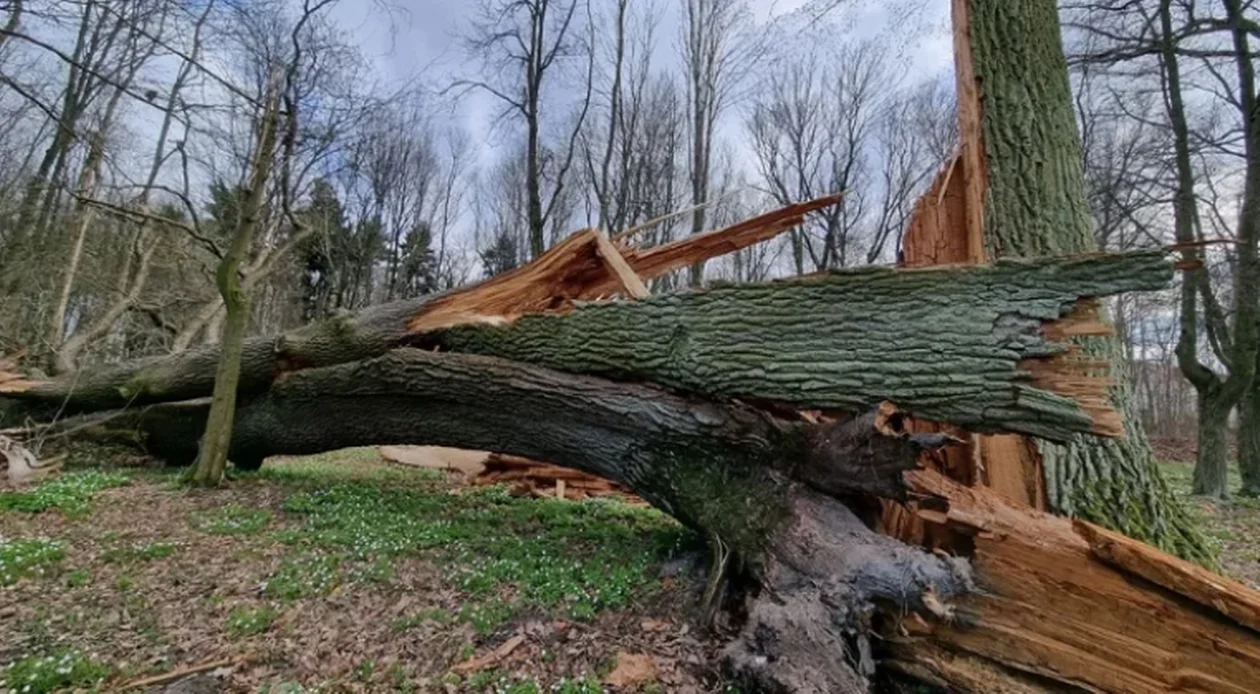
633	669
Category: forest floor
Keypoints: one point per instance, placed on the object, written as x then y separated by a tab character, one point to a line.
342	573
1234	525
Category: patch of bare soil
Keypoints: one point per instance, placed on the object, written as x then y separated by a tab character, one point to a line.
156	578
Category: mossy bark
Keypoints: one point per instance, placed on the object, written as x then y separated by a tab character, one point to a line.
946	344
1036	205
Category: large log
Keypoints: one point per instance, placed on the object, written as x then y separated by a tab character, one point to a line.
764	486
982	347
1043	607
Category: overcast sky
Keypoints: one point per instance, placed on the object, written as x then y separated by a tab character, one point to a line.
421	38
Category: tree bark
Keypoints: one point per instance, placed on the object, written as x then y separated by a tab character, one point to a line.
1036	205
1211	467
962	345
1249	441
768	488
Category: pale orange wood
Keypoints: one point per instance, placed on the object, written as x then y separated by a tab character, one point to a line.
574	270
1224	595
1009	465
547	283
1050	605
970	113
617	265
947	227
929	237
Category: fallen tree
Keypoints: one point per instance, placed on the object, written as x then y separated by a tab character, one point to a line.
1030	603
1010	600
1014	605
969	346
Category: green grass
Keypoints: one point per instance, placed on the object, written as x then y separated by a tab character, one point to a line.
139	552
347	465
57	671
71	493
304	574
506	554
248	621
21	558
78	578
232	519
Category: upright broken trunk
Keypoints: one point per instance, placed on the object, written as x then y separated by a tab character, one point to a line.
1020	191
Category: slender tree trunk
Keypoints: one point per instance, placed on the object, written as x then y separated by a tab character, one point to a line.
83	223
1211	469
1248	231
216	442
1249	442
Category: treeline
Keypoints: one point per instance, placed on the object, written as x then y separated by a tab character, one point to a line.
131	129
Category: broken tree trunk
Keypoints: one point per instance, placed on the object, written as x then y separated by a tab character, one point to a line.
1067	606
978	347
1045	607
1017	188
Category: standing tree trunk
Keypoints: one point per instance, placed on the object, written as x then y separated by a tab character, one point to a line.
1249	442
1248	231
1021	192
215	443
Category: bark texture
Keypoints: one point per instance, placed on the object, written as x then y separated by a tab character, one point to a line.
948	344
695	459
962	345
190	374
1036	205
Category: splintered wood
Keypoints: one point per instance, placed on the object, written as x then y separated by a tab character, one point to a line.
11	381
530	477
1079	606
577	269
1087	381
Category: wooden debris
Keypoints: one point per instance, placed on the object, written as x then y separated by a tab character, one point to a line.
575	269
1079	606
530	477
491	658
470	463
22	466
176	674
632	286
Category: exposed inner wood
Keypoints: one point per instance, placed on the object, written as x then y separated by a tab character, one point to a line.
631	284
1224	595
1081	606
574	269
